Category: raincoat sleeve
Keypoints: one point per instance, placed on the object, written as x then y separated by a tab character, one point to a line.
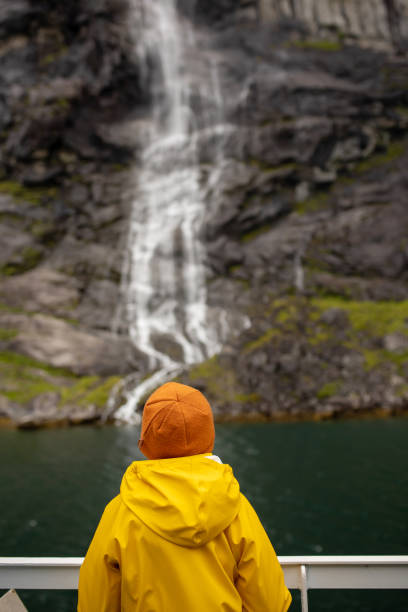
99	588
259	577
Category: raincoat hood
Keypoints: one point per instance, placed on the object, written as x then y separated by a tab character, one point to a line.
186	500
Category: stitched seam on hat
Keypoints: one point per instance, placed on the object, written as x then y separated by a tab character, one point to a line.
185	429
202	409
162	399
153	418
193	392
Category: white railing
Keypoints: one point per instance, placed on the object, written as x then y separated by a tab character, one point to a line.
347	572
303	573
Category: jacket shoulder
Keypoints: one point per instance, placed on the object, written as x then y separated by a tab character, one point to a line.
246	532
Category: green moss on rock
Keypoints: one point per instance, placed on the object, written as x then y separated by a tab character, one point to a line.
29	390
402	390
21	361
321	336
31	195
375	358
262	340
220	381
22	379
29	259
402	111
99	395
247	398
329	389
315	203
255	233
72	394
89	390
7	308
373	318
394	151
8	334
319	45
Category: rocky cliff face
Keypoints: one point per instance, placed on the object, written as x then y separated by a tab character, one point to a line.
67	76
306	228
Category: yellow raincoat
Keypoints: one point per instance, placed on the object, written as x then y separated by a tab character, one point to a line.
181	537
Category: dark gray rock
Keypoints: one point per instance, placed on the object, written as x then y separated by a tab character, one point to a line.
14	246
41	290
98	305
15	15
396	342
68	347
77	194
40	174
303	172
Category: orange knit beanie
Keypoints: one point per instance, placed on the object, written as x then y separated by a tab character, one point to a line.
177	422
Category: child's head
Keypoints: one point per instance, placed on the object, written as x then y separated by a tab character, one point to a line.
177	422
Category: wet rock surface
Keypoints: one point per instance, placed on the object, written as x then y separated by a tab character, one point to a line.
306	199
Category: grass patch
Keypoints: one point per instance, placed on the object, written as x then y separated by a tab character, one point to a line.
50	58
318	45
89	390
247	398
23	379
220	381
29	391
375	358
206	369
264	339
312	204
72	394
373	318
255	233
320	337
11	218
329	389
286	310
116	167
62	103
402	391
7	308
39	229
21	361
284	313
30	257
320	199
365	322
99	395
402	112
8	334
234	268
394	151
32	195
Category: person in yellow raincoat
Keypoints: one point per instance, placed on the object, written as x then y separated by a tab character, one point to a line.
180	537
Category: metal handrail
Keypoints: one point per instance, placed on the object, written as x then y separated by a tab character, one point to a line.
303	573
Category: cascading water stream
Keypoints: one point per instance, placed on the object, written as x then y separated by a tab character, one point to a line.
164	284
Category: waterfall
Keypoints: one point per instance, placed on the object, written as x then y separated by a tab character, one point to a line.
163	281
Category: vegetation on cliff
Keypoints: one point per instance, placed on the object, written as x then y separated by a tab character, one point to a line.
306	226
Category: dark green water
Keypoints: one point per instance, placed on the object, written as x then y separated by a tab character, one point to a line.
320	488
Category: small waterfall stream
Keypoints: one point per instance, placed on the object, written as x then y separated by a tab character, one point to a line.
164	284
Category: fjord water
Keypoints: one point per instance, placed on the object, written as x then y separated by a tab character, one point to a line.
319	488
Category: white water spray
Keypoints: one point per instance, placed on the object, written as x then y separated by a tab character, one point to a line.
164	284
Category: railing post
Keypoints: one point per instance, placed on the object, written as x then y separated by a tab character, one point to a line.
303	588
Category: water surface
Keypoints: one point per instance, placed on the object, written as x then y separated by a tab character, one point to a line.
319	488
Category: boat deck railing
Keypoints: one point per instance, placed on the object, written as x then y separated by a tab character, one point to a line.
303	573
